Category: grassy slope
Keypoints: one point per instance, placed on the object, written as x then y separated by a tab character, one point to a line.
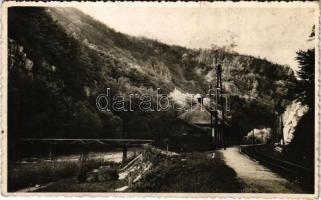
43	172
72	185
196	172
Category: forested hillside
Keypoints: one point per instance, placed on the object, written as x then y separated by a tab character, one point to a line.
60	60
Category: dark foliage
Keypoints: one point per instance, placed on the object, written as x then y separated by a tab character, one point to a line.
48	98
305	87
301	149
43	172
248	114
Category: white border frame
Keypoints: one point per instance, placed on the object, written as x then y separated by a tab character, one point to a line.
4	62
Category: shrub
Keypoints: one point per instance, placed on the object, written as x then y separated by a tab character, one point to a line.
38	173
44	172
82	172
108	173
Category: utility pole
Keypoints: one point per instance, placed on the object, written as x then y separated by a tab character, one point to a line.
212	114
219	100
217	130
279	111
124	158
219	77
124	134
281	127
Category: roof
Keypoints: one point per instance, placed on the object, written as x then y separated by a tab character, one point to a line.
191	124
199	115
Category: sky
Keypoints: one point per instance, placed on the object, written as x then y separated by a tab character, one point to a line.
271	33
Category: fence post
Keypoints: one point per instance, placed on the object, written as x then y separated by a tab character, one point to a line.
124	159
50	151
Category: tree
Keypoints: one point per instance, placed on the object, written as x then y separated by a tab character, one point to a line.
305	86
301	148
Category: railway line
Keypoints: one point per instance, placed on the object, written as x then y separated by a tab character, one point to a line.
289	170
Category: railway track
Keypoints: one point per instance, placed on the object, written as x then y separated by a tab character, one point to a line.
292	171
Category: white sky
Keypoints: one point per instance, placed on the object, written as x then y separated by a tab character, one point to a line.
271	33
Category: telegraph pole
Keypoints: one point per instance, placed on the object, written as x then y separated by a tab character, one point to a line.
219	77
219	100
281	130
217	68
212	132
279	110
217	130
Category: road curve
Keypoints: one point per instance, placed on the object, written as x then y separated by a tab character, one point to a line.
255	177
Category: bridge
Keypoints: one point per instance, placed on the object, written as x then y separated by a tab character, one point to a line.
127	142
85	142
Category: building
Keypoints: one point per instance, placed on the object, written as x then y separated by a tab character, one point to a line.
192	131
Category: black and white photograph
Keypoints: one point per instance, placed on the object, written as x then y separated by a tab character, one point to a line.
189	98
